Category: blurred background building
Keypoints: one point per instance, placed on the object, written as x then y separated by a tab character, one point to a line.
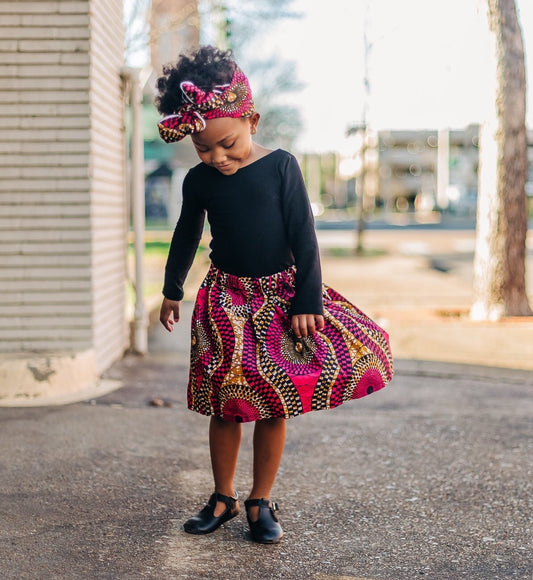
174	29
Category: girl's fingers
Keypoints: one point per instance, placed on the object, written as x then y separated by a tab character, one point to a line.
176	312
169	313
306	324
295	325
310	321
167	322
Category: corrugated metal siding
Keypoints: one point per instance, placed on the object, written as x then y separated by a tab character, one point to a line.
62	223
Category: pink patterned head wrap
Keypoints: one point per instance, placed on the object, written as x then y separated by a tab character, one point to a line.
233	100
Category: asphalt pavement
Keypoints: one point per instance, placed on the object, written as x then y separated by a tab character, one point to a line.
430	477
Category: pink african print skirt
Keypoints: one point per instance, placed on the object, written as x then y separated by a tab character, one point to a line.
247	364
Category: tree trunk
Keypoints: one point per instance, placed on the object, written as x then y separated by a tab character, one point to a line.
499	263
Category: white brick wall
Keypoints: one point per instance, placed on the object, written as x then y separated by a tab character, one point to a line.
62	194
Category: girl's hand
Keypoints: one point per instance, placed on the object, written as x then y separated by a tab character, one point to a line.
306	324
169	313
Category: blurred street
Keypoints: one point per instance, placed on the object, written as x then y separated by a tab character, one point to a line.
417	282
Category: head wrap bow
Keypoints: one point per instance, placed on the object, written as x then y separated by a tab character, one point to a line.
233	100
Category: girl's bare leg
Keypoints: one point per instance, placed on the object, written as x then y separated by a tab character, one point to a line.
224	443
269	441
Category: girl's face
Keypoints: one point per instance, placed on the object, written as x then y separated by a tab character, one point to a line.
226	143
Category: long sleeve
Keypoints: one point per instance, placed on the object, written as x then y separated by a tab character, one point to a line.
260	221
299	223
187	236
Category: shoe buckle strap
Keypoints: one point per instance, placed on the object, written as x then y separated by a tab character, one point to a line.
228	500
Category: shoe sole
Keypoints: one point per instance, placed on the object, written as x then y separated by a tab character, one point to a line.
202	533
276	541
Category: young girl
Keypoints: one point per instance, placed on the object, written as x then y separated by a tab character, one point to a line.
269	340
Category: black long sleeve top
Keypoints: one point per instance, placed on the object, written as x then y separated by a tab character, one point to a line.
261	223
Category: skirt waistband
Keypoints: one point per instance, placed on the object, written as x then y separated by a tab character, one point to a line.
248	283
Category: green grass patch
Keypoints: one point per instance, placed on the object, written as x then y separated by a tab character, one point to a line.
351	252
153	248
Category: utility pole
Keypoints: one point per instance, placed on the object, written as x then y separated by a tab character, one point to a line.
360	195
361	182
443	167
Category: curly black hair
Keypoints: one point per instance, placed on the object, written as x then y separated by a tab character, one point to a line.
206	67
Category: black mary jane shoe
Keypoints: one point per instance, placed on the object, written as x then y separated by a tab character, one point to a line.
206	521
266	528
